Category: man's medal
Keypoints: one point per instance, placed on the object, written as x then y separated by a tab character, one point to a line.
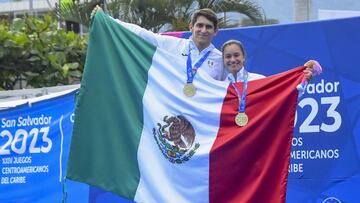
189	89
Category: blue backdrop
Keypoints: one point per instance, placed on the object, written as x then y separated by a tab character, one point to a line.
34	146
325	165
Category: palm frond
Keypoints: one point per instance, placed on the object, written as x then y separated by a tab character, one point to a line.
167	15
74	12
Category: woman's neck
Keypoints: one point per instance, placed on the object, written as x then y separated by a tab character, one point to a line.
235	76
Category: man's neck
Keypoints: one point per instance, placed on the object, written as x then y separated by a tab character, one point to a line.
201	46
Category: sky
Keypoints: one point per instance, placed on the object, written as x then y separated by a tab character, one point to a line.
283	9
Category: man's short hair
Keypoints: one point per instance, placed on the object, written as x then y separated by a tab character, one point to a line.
207	13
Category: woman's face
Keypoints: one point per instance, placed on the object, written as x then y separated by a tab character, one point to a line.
233	58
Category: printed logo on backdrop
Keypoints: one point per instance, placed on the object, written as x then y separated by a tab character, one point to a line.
175	138
23	137
23	140
331	200
34	144
318	113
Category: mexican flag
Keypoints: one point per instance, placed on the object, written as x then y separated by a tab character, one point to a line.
137	135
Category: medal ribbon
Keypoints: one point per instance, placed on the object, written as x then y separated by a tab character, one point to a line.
242	100
189	69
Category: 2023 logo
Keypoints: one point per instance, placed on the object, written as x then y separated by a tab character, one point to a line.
17	143
331	103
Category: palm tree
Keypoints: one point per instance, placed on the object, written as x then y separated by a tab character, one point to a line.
167	15
75	11
149	14
222	7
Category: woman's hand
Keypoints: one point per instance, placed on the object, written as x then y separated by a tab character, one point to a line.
313	68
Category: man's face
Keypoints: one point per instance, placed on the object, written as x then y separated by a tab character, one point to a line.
202	32
233	58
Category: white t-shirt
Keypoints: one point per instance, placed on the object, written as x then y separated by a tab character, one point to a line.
213	65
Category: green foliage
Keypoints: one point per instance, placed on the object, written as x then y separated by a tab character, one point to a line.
167	15
75	11
35	51
151	14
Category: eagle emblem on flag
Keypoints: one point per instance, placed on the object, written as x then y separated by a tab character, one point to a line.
175	138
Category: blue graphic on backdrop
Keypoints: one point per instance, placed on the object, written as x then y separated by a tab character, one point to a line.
34	145
325	163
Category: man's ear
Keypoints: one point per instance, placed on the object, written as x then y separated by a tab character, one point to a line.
190	26
216	31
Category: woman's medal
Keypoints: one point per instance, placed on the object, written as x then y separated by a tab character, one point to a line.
241	119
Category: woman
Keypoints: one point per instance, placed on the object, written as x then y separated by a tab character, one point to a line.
234	59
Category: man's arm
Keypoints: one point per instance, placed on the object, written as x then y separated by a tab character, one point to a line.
155	39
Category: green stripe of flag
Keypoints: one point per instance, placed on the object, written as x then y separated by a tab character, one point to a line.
105	137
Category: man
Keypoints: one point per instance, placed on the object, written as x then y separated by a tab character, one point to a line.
203	26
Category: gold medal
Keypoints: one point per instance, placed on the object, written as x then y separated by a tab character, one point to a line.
189	90
241	119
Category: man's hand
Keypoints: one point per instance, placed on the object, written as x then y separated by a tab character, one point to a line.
93	12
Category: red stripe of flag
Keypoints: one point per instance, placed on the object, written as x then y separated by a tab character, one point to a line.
250	164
